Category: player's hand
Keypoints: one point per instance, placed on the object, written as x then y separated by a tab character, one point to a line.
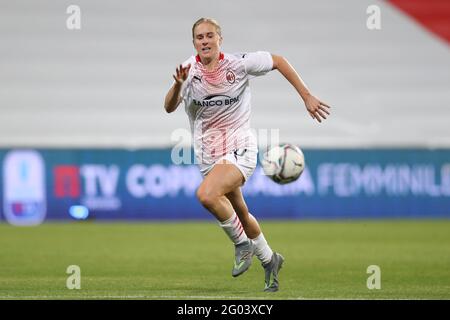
182	74
317	109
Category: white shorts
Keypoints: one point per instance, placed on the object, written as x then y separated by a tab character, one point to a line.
244	159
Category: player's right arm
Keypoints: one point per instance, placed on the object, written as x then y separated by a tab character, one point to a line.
173	97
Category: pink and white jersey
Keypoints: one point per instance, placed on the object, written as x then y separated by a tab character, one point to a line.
218	104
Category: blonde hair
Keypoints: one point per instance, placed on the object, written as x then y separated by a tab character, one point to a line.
208	20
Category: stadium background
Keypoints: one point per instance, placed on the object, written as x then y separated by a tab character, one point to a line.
83	133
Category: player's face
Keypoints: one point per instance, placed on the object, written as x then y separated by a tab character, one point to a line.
207	41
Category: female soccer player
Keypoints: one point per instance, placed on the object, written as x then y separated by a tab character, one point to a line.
215	89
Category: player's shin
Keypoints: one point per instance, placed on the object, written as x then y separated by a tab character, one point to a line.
234	230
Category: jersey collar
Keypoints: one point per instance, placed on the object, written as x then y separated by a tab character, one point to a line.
197	57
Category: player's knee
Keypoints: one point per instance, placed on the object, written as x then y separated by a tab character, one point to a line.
206	198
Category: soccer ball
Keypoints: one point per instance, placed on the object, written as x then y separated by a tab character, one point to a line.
283	163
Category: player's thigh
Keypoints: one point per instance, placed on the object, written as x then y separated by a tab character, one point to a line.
223	178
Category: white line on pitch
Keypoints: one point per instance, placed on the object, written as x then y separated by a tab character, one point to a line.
139	297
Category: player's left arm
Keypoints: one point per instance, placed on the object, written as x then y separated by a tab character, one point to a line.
316	108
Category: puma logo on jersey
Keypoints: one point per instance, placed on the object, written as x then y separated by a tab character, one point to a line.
199	79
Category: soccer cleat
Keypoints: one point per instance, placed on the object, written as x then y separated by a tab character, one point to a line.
271	272
243	257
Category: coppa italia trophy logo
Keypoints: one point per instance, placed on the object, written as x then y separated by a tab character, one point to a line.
24	198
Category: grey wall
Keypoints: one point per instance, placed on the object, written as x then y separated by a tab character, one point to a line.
104	85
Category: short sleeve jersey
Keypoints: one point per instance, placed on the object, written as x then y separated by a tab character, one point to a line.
218	103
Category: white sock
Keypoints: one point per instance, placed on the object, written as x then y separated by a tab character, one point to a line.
233	228
263	251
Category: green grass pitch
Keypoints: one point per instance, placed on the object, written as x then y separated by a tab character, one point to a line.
193	260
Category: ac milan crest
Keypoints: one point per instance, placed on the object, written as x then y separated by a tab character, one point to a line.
231	78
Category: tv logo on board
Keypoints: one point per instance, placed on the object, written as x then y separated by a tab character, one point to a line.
24	198
96	184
